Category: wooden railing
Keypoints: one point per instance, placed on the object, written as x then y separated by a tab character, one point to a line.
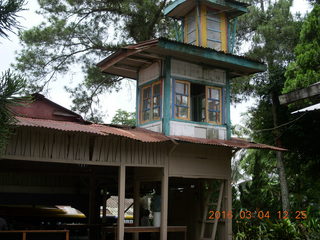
24	232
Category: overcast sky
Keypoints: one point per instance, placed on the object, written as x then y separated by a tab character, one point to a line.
125	98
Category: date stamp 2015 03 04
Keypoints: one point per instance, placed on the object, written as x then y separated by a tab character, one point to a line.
298	215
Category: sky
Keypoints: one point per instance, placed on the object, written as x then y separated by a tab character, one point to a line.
125	98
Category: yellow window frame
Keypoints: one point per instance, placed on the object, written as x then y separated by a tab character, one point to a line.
220	104
189	85
151	101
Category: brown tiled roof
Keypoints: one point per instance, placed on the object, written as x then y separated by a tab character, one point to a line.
138	134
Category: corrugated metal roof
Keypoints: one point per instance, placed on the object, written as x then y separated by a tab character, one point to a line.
138	134
233	142
308	109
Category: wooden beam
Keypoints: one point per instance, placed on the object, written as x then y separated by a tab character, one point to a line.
164	203
139	59
136	206
126	68
310	91
121	197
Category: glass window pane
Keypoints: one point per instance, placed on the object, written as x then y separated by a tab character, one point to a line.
146	104
184	100
214	93
146	92
210	104
181	88
214	116
216	106
214	35
211	24
182	112
146	115
156	101
156	90
156	113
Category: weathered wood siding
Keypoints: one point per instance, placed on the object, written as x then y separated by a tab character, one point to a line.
200	161
57	146
193	71
149	73
121	150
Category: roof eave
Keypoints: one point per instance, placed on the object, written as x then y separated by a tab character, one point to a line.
213	55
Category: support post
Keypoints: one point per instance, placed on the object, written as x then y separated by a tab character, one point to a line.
121	197
164	203
228	204
136	206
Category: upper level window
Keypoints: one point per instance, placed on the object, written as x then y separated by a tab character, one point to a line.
213	98
182	100
151	102
196	102
213	29
191	28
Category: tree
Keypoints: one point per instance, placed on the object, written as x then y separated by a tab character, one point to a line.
11	86
273	32
8	15
81	33
123	117
305	70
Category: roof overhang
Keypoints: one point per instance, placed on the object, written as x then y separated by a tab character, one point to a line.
127	61
137	134
181	8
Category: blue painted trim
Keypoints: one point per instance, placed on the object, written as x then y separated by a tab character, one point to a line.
198	123
227	108
167	97
146	123
234	5
172	6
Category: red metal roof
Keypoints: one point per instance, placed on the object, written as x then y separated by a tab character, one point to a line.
138	134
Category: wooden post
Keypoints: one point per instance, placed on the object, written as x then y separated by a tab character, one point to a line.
228	204
121	197
24	236
136	206
67	235
164	203
93	209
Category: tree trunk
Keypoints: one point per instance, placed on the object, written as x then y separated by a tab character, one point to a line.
280	164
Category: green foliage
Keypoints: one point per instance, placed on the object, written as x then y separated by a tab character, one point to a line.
80	33
123	117
8	15
305	69
284	229
11	86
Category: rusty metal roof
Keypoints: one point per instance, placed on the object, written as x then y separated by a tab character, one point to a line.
138	134
233	142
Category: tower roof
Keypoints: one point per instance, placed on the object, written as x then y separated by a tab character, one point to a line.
181	8
127	61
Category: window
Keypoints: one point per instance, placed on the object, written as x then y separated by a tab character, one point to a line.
191	28
151	102
197	102
213	30
213	98
182	100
